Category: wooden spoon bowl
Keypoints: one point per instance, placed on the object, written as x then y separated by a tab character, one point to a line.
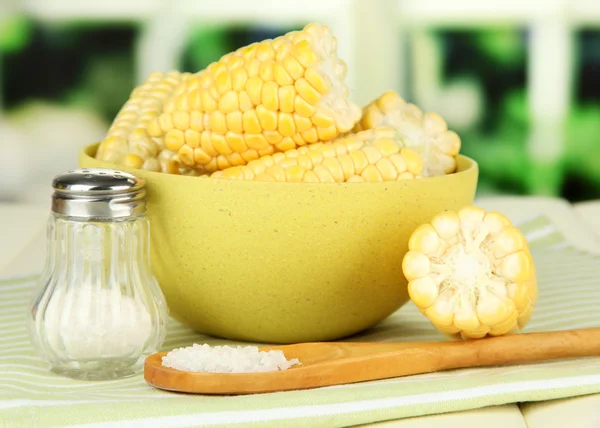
336	363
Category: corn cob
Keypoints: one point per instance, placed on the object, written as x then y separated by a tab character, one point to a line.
374	155
271	96
428	133
471	274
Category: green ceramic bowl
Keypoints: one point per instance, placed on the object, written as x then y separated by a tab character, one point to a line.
287	262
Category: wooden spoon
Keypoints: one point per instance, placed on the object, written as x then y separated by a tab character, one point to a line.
335	363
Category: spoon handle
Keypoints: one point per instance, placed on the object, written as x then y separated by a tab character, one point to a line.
522	347
401	359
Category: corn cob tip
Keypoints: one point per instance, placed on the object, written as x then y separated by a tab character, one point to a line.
427	132
471	274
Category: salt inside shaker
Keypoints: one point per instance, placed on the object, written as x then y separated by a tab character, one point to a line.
98	311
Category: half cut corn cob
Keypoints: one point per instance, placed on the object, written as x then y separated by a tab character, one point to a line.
471	273
374	155
428	133
271	96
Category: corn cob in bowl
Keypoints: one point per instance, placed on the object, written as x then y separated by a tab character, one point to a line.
271	96
368	156
274	220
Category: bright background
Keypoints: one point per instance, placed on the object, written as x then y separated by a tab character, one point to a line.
517	79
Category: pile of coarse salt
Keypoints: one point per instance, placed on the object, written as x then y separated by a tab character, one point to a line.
226	359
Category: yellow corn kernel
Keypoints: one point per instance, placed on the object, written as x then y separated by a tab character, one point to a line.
425	240
201	157
387	169
310	135
267	118
302	123
319	81
153	128
252	66
446	224
471	273
194	100
360	161
273	137
166	122
281	76
322	120
206	143
253	89
192	138
256	141
388	146
265	71
133	161
264	51
293	67
236	142
234	121
239	76
423	291
174	139
305	54
303	108
414	161
287	95
428	133
220	144
307	91
196	121
223	83
245	101
217	122
286	125
284	48
269	96
273	95
251	122
334	168
229	102
286	144
298	140
181	120
208	102
326	134
186	155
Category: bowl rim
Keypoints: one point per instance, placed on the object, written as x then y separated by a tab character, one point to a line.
469	164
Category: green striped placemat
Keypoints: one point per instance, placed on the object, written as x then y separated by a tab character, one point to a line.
569	297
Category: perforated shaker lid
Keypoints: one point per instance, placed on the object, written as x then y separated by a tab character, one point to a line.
98	193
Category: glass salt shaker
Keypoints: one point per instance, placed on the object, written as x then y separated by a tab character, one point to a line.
98	311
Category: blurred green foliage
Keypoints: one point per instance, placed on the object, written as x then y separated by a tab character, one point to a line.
496	58
204	46
208	43
88	65
504	46
15	32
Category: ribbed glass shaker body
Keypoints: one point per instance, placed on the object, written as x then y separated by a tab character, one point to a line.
98	311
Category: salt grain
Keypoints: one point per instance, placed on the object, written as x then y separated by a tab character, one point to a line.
226	359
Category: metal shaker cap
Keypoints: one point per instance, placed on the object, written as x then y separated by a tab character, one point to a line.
98	193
